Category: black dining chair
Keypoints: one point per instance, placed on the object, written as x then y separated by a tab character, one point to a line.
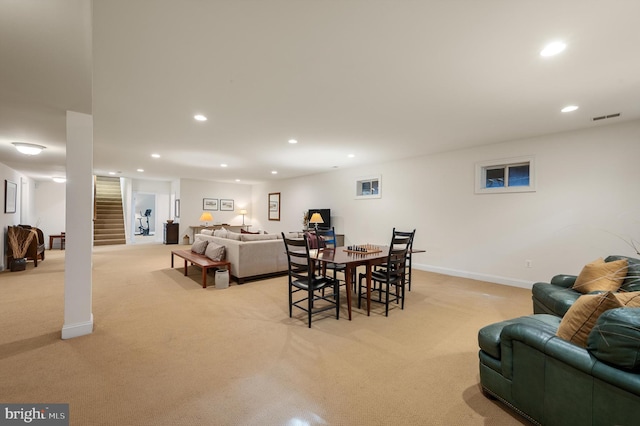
303	279
392	273
328	240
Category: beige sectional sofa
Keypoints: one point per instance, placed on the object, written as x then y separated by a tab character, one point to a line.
252	256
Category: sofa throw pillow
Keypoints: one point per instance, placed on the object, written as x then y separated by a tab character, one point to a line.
242	231
615	339
233	235
215	251
601	276
207	232
259	237
199	246
632	280
582	316
629	299
222	233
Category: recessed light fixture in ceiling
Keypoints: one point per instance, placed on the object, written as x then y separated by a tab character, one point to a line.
274	172
155	155
59	179
140	170
28	148
569	108
351	155
293	141
223	165
237	180
200	117
553	48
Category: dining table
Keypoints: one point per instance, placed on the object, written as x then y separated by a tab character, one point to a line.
352	259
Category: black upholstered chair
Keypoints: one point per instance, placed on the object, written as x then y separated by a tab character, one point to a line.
305	282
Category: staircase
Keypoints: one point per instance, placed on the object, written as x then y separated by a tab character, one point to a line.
108	227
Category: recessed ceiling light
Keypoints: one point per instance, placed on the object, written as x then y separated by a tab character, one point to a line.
351	155
140	170
274	172
155	155
200	117
59	179
112	173
28	148
237	180
569	108
293	141
553	48
223	165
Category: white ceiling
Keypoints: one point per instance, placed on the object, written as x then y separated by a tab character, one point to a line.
379	79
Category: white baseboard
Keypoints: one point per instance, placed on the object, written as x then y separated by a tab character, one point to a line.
69	331
474	276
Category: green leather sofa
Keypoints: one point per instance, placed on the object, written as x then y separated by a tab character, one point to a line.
556	297
553	382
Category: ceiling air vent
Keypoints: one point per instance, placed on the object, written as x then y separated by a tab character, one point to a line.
604	117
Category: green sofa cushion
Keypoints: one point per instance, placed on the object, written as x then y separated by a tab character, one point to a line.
632	280
615	339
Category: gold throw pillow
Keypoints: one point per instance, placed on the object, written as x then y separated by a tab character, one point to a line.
601	276
630	299
582	316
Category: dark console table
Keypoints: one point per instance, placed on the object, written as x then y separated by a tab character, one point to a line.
171	233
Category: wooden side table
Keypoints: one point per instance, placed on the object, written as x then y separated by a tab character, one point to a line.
61	236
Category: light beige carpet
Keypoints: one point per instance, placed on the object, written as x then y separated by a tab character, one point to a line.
165	351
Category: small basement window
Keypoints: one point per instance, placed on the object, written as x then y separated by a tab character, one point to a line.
507	175
368	187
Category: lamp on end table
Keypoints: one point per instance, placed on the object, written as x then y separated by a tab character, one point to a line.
243	212
316	219
206	217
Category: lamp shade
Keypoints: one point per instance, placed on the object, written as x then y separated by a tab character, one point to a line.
243	211
206	217
316	218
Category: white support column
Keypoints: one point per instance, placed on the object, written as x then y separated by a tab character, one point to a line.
78	317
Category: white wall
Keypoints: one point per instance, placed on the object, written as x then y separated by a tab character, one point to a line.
8	219
588	193
191	193
160	191
50	208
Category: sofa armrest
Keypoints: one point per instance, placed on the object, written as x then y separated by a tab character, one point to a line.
531	336
544	340
563	280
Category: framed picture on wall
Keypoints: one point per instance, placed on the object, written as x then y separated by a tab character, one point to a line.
10	194
210	204
274	206
226	205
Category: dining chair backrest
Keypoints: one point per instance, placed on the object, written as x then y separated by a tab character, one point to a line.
298	257
328	236
401	243
403	238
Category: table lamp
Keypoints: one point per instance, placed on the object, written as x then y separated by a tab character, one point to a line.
243	212
316	219
206	217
